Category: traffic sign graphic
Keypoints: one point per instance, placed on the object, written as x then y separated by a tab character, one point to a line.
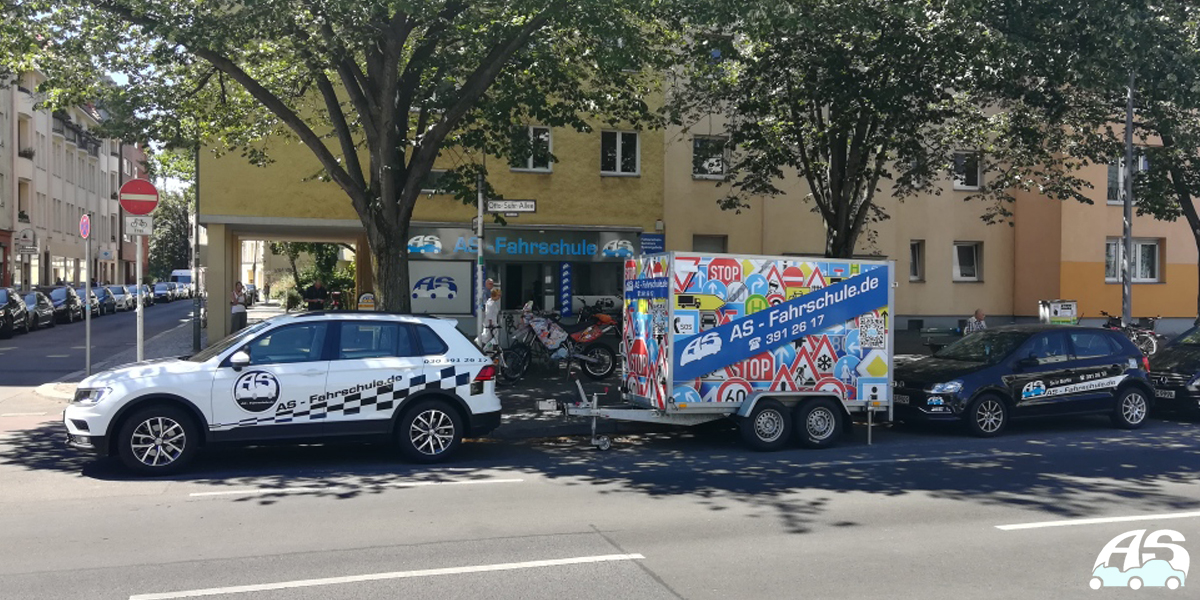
138	197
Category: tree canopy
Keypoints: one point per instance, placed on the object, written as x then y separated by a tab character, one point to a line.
376	89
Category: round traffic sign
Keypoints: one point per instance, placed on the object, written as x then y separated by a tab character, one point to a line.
85	226
138	197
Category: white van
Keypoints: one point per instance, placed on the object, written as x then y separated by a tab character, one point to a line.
184	278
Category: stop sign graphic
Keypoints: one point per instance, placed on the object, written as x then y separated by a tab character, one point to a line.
138	197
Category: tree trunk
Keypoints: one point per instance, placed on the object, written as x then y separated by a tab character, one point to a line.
389	249
839	244
295	271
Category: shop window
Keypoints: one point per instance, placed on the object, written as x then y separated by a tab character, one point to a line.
708	157
620	153
718	244
539	151
916	260
597	279
968	259
1116	176
1145	260
968	170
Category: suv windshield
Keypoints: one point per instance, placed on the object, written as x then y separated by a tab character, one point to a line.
31	300
228	342
984	347
117	291
160	287
58	294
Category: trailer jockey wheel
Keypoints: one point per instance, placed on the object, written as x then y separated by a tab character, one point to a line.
602	443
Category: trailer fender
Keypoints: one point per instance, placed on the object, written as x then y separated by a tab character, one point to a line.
788	399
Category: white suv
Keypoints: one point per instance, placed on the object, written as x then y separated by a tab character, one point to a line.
300	377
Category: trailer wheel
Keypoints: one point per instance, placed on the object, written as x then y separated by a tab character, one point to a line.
768	427
818	423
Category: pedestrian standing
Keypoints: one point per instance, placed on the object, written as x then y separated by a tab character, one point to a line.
237	310
491	318
976	323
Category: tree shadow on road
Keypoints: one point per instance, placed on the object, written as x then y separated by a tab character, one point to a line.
1061	468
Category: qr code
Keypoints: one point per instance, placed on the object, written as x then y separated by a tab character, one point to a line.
872	333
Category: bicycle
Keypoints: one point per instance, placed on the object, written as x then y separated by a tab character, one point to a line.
1142	336
492	350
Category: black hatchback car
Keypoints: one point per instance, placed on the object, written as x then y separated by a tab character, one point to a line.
1175	373
989	378
13	315
68	306
41	310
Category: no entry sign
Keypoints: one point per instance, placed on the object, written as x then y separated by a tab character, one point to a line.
138	197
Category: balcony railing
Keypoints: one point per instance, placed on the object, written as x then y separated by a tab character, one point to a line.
26	153
58	125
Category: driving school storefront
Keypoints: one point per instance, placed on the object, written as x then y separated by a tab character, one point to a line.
554	267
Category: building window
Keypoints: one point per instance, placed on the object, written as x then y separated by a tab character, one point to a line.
432	184
968	170
710	243
540	148
968	261
1145	260
916	260
1116	176
708	157
620	153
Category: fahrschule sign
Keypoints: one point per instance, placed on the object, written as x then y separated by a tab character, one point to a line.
453	243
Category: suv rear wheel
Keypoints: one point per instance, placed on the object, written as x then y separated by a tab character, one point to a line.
158	440
429	431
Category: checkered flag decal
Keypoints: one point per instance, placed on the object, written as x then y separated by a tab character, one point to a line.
381	399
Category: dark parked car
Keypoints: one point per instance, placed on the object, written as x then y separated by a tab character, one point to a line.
108	300
162	292
988	378
68	306
1175	372
41	310
13	315
251	294
93	302
147	294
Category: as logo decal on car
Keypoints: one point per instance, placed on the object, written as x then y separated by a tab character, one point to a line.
256	391
1034	389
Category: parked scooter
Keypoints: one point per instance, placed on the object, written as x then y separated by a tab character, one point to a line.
556	342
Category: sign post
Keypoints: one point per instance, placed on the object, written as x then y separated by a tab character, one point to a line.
139	197
85	229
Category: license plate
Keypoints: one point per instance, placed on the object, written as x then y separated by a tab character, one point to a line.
900	399
1169	394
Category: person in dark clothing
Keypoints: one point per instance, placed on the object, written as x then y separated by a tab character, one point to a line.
316	295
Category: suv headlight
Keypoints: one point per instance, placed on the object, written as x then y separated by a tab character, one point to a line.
90	396
950	387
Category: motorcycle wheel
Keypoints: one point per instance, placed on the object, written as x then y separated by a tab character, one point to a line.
602	362
516	362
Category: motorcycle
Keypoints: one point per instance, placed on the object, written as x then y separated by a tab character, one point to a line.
542	337
1142	333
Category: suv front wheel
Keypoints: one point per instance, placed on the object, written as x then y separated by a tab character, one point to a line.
158	440
429	431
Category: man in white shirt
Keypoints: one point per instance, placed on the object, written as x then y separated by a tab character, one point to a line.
976	323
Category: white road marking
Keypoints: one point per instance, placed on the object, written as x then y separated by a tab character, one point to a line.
26	414
881	461
335	488
58	356
284	585
1098	521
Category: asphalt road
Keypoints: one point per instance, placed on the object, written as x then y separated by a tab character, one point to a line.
49	354
690	514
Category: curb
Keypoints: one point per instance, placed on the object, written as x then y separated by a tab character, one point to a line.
51	391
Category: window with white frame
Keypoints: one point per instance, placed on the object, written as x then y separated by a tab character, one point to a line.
916	260
968	170
1146	257
708	157
620	153
968	261
540	148
1116	176
432	184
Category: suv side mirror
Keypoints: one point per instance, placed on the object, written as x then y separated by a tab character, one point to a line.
239	360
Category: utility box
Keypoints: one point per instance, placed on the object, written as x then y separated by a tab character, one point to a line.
1058	312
